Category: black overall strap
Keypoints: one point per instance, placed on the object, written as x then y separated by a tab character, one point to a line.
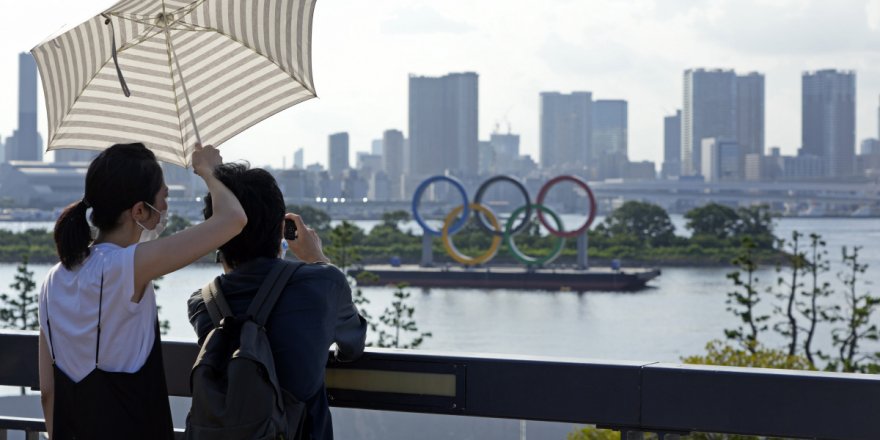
270	290
100	304
215	303
49	328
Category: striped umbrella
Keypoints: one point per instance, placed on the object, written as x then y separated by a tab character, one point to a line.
170	73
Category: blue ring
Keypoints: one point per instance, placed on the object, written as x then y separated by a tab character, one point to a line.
417	198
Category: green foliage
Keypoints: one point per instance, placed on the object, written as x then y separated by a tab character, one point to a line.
855	318
809	307
648	223
21	311
593	433
399	318
176	224
722	353
395	218
796	266
744	298
342	241
164	324
713	220
37	244
315	218
756	222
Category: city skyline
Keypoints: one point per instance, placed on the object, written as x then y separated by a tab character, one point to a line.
633	51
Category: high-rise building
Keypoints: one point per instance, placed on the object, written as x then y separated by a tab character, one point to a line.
485	158
393	160
609	134
337	161
299	159
672	145
709	111
376	147
721	160
566	122
443	123
367	163
828	119
25	143
71	155
750	113
505	152
609	138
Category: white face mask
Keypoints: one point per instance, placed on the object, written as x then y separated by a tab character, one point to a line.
152	234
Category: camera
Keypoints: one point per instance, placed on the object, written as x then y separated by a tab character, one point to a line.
289	229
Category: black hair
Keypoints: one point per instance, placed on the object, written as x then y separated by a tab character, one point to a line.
263	203
119	177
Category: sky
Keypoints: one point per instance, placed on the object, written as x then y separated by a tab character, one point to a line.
635	50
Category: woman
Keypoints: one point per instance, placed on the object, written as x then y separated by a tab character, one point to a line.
101	373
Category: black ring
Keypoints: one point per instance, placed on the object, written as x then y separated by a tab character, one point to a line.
522	189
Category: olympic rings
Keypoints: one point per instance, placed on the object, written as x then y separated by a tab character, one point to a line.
592	215
459	216
417	197
453	251
519	255
478	199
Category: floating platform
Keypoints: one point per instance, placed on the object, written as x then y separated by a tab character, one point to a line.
514	277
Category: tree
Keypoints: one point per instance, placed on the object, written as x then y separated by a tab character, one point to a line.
855	316
797	263
343	239
817	265
399	318
713	219
315	218
720	353
756	222
176	224
395	218
649	223
743	302
21	311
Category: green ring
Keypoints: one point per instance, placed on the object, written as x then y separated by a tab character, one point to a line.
523	258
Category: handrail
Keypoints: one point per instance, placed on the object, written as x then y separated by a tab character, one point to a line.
637	396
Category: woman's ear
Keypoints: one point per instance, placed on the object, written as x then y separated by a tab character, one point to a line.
140	212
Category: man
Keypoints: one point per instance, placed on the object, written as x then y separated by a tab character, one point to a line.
315	309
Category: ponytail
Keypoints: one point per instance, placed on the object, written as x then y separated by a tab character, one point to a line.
72	235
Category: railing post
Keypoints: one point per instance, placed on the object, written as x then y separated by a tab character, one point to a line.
31	435
2	434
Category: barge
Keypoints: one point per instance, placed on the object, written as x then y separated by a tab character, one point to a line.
501	277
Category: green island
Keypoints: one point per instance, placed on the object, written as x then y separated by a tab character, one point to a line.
636	233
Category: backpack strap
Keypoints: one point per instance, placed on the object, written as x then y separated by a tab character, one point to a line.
215	303
271	290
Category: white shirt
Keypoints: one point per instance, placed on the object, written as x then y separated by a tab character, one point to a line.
69	299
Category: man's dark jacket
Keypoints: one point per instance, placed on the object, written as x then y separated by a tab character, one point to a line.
314	310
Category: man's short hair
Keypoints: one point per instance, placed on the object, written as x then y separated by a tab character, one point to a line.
259	195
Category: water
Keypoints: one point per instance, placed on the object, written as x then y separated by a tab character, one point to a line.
681	310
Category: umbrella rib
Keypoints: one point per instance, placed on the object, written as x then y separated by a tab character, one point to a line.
172	56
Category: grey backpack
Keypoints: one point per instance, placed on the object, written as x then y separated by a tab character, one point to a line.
235	391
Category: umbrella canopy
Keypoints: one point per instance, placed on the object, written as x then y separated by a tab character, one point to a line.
169	73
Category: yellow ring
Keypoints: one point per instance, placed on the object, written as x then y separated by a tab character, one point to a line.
450	246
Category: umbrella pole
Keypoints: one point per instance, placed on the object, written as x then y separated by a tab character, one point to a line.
192	115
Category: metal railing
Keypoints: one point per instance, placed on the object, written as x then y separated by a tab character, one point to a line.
631	397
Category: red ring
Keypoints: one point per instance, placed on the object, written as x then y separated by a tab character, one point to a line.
543	193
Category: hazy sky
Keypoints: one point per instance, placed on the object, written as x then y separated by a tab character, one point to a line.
618	49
